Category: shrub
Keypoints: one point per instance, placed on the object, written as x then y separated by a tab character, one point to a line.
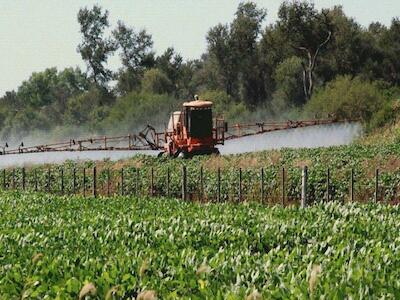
289	85
385	116
225	105
155	81
347	98
134	110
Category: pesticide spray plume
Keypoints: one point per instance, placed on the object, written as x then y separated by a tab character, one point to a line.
70	133
307	137
30	159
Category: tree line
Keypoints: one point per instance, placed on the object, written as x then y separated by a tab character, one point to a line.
309	62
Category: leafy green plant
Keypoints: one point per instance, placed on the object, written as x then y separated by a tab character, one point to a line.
69	247
363	159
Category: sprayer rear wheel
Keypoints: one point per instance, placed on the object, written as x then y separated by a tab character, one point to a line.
216	151
183	155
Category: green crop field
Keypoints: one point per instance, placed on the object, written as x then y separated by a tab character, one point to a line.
124	247
364	159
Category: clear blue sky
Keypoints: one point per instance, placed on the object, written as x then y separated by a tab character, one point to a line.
35	35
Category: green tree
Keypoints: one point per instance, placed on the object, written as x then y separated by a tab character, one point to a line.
39	90
24	122
136	47
188	84
273	50
224	105
81	107
233	51
245	31
10	104
221	58
170	63
95	48
134	110
288	91
359	51
136	56
42	99
205	76
343	52
156	81
308	31
390	44
347	98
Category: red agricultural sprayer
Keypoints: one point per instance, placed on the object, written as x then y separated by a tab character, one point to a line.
191	131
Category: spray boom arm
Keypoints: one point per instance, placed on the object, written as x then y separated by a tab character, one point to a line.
149	139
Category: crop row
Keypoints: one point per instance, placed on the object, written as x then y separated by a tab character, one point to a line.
203	181
52	246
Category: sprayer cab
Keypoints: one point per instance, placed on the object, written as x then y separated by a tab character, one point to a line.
193	131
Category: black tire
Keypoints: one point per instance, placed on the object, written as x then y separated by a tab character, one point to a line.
181	154
216	151
176	154
160	154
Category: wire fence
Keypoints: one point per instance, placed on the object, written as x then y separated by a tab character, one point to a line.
264	185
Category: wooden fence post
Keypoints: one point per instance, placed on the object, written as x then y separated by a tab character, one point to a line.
108	182
262	185
122	182
35	179
219	185
283	187
137	184
23	179
13	179
168	181
74	180
184	183
94	182
48	180
84	182
240	184
328	185
304	179
151	182
352	185
376	185
201	184
4	179
62	180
